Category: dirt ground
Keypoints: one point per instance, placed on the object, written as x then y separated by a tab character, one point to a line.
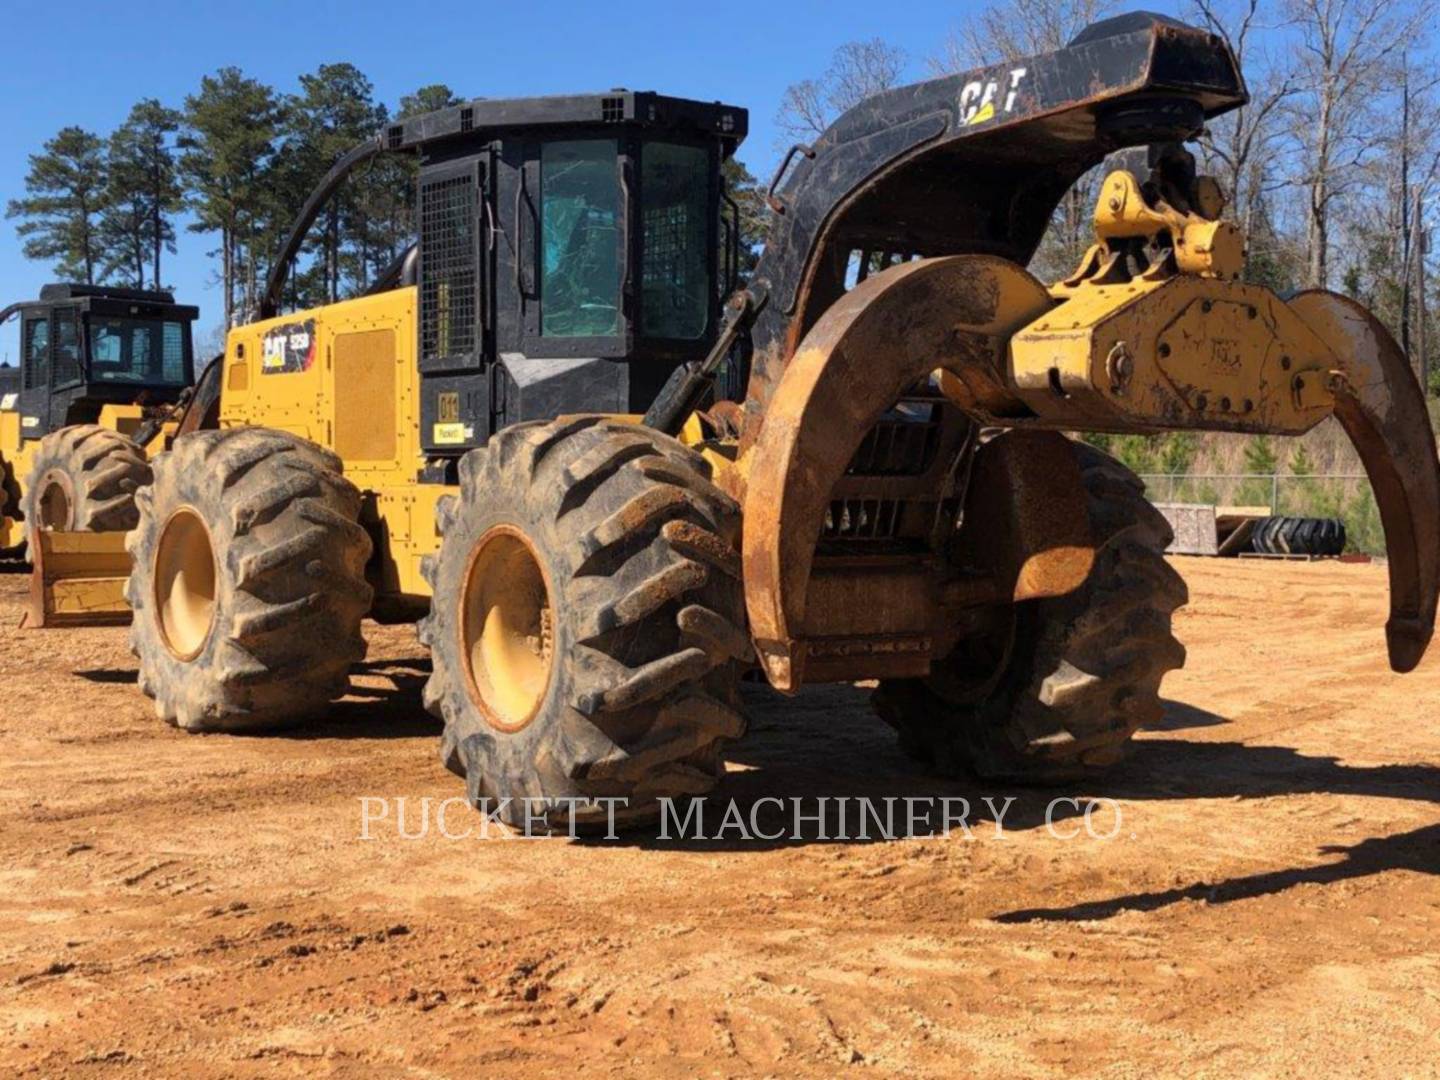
1269	905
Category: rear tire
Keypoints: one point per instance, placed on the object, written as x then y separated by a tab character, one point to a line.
1075	676
586	627
248	582
84	479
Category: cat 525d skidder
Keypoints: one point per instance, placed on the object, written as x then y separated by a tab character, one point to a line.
606	483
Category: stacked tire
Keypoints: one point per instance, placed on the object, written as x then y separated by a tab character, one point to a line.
1299	536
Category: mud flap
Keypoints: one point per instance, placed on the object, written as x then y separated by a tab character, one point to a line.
1379	403
78	580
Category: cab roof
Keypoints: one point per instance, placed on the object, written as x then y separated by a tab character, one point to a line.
643	109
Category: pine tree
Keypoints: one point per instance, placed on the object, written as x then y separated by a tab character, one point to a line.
65	196
385	192
143	194
1260	456
1261	461
742	186
228	148
334	111
426	99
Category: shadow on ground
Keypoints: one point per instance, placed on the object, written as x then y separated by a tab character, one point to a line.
387	707
390	711
1417	850
826	744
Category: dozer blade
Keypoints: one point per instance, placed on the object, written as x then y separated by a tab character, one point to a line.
78	580
1379	403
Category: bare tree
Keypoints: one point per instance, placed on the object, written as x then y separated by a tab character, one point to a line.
1010	31
1347	56
857	70
1416	154
1235	148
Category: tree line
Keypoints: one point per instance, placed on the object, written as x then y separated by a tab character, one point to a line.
234	161
1331	170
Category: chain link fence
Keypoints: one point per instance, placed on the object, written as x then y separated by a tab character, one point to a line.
1346	496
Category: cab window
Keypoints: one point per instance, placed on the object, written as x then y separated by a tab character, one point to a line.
37	353
149	351
67	348
579	229
675	273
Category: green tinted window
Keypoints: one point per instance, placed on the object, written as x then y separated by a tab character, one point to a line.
579	229
675	267
37	353
67	348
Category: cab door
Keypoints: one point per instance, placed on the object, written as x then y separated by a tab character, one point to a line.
34	403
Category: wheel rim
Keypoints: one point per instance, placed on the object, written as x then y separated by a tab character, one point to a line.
505	629
185	576
54	505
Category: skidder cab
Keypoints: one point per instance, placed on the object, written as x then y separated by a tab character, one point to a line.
571	253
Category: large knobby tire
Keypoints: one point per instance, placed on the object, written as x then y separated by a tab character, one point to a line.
248	581
1073	677
1299	536
84	479
586	626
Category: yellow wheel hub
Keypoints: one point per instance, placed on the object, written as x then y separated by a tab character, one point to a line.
505	629
185	575
54	503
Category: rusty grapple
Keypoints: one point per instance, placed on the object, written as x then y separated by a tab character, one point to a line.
894	280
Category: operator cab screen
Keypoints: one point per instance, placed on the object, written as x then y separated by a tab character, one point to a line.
583	201
146	351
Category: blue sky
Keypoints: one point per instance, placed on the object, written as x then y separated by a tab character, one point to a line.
110	55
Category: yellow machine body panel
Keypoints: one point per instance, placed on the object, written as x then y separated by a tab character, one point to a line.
1184	352
345	376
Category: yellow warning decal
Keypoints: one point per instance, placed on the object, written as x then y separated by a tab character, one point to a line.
449	434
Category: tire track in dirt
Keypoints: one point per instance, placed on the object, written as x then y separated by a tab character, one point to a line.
204	906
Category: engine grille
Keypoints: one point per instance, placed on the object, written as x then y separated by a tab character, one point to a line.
447	267
862	519
902	444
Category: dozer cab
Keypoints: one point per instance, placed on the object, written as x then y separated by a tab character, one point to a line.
100	371
608	481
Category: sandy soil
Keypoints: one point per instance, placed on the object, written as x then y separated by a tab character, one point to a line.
186	905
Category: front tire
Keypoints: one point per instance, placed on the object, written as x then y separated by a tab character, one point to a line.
248	582
1065	681
586	626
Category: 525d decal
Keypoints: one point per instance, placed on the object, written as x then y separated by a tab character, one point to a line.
288	348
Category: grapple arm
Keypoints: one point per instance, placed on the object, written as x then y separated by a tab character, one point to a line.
1381	406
